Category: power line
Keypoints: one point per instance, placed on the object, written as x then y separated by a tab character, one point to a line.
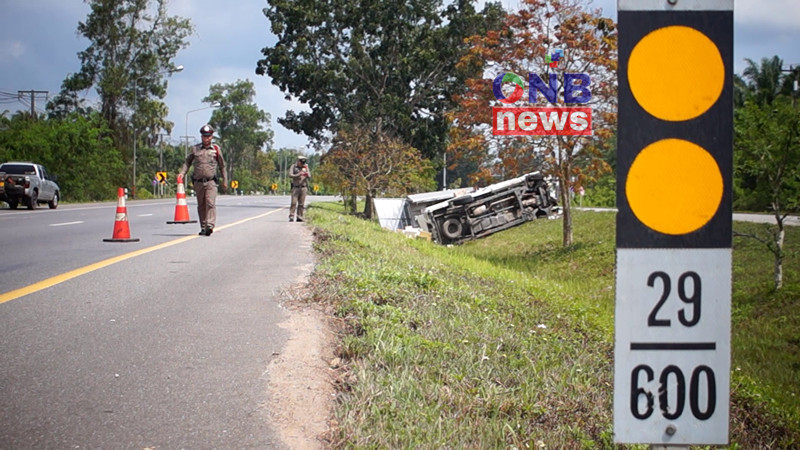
8	98
29	105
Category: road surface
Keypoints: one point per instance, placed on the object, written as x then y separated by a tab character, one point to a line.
161	343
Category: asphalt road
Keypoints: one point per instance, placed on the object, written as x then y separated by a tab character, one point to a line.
161	343
737	217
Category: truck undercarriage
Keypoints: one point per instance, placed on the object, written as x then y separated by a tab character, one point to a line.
488	210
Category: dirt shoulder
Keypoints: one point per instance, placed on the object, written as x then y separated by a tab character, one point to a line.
301	389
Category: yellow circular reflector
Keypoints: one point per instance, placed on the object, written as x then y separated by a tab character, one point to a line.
676	73
674	186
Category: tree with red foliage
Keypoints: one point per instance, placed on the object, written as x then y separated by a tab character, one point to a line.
521	46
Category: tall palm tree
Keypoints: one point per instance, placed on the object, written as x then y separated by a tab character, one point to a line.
764	82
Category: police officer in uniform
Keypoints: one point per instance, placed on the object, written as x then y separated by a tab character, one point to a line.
206	158
299	175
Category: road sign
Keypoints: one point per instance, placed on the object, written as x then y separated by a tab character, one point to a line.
161	177
672	346
234	184
674	229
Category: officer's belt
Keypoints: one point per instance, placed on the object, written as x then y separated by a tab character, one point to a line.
205	180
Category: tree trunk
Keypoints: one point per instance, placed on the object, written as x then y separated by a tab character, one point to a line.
779	240
566	202
352	200
369	206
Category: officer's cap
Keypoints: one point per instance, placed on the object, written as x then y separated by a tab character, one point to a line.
206	130
301	158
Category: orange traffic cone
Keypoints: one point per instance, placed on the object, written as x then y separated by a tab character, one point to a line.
122	232
181	209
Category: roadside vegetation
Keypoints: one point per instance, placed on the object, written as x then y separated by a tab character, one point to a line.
507	341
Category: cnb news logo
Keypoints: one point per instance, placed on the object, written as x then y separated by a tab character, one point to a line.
541	120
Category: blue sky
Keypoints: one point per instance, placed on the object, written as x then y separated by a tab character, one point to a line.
39	46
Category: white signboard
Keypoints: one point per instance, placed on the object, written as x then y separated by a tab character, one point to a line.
672	348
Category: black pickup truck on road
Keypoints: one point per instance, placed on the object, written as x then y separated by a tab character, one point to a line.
29	184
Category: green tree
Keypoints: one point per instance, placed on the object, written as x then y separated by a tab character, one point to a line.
262	173
132	46
767	149
78	150
361	163
767	168
386	65
763	83
162	156
602	191
242	127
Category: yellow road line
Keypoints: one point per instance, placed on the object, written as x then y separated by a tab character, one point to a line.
50	282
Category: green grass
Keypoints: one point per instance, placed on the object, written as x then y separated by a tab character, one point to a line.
766	334
507	342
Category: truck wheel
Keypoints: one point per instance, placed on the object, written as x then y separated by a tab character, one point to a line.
33	201
452	228
53	204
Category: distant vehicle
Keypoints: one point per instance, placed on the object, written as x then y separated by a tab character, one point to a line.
488	210
29	184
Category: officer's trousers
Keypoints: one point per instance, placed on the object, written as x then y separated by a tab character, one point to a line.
206	202
298	202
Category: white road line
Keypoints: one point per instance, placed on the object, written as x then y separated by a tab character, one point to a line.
64	224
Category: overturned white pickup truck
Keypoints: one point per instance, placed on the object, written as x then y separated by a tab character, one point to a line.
488	210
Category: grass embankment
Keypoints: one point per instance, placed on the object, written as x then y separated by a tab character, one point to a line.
508	341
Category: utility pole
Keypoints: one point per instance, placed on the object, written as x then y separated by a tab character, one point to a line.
161	150
795	73
444	171
186	147
161	160
33	98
